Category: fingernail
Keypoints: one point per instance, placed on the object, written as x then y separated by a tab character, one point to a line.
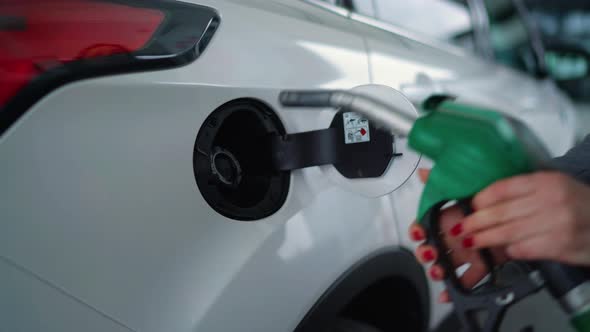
435	274
468	242
443	298
428	255
417	235
457	229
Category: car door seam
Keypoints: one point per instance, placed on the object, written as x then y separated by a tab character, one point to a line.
61	290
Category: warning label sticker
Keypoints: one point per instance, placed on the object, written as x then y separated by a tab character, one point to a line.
356	128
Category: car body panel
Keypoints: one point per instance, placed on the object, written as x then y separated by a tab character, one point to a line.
102	209
122	225
29	303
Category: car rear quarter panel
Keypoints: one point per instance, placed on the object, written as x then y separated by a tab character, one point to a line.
99	201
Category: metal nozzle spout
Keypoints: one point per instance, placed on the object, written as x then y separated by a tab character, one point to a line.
390	117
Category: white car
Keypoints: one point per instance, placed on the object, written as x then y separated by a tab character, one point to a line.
138	188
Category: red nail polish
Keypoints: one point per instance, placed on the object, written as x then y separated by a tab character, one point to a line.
457	229
468	242
428	255
417	235
435	274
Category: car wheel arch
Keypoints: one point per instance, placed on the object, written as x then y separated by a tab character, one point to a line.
376	277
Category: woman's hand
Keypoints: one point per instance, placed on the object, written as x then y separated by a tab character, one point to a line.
544	215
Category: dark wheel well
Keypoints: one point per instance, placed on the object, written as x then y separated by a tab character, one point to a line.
387	290
391	304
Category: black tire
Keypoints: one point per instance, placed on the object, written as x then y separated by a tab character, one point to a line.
349	325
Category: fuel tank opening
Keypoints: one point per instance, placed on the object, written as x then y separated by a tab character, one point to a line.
232	161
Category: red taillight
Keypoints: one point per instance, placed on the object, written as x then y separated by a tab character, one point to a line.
44	34
50	42
15	73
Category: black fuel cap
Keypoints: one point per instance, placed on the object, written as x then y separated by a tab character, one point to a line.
232	161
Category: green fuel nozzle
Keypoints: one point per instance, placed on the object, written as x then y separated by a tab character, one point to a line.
471	147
